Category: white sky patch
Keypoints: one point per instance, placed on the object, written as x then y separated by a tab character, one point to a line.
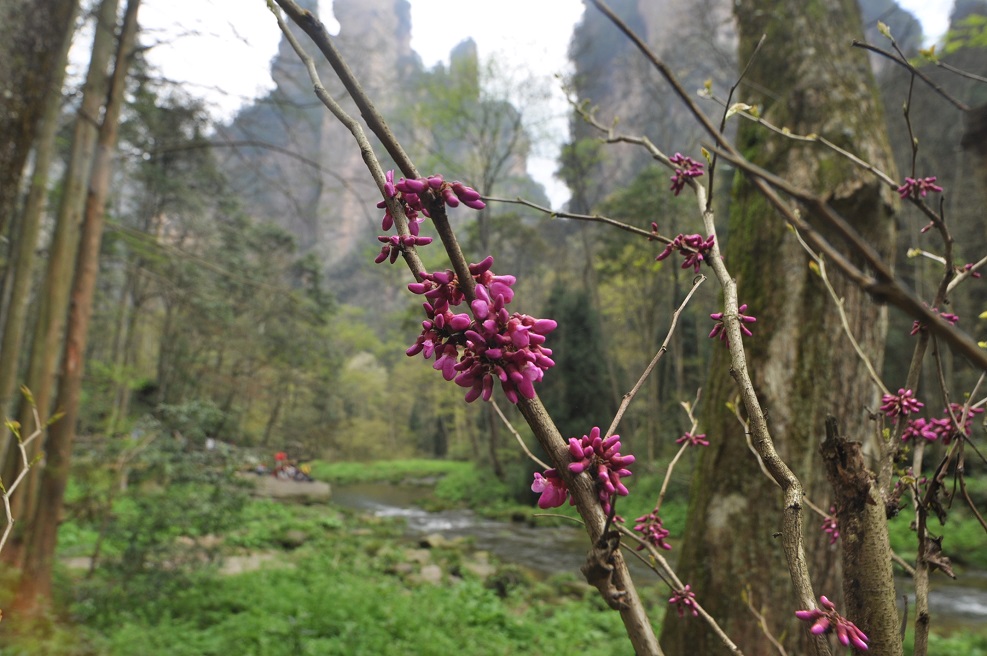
934	16
221	50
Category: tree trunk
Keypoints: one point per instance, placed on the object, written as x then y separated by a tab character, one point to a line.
17	288
34	589
808	79
31	35
47	345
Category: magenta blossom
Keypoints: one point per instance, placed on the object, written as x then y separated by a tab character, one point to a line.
831	526
969	267
916	187
694	249
948	317
824	621
948	429
551	487
904	403
488	346
652	531
411	194
601	457
720	327
929	429
685	600
694	440
686	168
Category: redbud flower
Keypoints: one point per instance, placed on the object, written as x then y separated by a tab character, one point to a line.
601	457
720	327
652	531
904	403
409	193
916	187
969	267
928	429
693	248
685	600
948	317
831	526
551	487
694	440
824	621
489	346
947	430
687	168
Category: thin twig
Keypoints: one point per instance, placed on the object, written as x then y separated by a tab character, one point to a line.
761	622
626	401
685	445
677	586
581	217
821	270
517	435
904	63
903	563
26	467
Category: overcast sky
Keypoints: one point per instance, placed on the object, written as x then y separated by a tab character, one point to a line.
221	49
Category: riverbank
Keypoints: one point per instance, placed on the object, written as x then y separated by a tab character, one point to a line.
350	579
341	582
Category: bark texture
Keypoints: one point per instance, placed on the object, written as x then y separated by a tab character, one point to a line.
19	277
31	35
49	329
808	79
35	583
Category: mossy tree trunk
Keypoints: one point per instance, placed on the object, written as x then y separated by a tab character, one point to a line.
34	589
31	34
806	78
52	311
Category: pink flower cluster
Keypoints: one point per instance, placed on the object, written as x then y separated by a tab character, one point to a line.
948	317
720	328
694	440
916	187
652	531
594	455
685	600
409	193
694	250
601	457
686	168
831	526
943	427
824	621
490	345
904	403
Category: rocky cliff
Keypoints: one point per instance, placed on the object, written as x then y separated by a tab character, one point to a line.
295	165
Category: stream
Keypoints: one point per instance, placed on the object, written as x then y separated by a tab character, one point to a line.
555	549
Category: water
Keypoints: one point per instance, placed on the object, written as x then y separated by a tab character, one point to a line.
544	550
554	549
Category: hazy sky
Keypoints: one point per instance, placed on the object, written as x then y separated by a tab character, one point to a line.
222	49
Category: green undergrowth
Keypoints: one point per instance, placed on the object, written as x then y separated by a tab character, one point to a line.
963	538
343	587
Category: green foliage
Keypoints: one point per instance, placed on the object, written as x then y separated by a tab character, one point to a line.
157	532
576	388
963	538
964	643
971	32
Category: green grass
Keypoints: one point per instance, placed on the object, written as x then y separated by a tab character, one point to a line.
964	541
339	593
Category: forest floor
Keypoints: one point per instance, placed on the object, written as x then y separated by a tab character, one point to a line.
318	579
